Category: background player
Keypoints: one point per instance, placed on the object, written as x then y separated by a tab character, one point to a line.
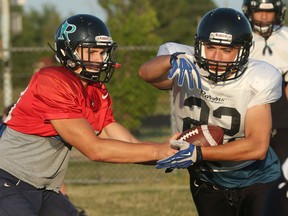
270	44
233	92
63	107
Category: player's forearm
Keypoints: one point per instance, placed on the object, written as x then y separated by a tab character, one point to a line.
115	151
80	134
240	150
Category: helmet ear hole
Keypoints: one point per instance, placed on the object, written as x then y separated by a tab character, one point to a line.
71	64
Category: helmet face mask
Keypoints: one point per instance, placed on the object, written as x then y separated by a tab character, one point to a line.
220	70
249	7
265	30
80	33
226	28
97	71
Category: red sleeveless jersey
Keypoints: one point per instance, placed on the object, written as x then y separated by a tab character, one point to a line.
57	93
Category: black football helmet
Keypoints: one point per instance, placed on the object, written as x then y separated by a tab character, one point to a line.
223	27
85	31
250	6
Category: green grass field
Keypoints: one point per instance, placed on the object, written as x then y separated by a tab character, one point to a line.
133	199
170	198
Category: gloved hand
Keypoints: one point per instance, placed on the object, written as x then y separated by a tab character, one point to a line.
187	155
182	65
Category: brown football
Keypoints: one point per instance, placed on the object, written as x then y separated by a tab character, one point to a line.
204	135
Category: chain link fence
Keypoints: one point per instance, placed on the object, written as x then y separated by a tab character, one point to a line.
156	127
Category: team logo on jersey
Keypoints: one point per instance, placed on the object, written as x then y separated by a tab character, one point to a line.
66	29
214	99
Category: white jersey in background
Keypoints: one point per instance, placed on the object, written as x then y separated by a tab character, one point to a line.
278	42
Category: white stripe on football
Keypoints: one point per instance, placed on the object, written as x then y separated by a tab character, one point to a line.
204	135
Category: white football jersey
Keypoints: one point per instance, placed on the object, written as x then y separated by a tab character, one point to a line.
171	47
223	104
226	103
285	169
277	41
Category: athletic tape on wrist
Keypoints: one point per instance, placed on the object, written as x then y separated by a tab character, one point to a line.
199	154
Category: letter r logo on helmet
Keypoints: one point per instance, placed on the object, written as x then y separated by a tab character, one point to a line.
66	29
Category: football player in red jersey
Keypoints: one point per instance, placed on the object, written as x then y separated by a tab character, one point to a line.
63	107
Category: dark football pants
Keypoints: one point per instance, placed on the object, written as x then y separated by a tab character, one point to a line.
277	200
214	200
279	143
18	198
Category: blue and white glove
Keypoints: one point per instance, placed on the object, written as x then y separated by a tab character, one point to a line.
187	155
182	65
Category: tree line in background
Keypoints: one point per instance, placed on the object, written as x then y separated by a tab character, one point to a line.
135	25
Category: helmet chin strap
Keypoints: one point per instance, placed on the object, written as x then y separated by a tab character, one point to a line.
265	32
266	47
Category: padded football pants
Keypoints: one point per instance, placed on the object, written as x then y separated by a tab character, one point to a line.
214	200
18	198
279	143
277	199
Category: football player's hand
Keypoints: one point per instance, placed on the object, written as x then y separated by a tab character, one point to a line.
182	65
185	157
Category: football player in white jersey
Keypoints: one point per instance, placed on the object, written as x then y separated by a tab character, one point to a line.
270	38
216	83
270	44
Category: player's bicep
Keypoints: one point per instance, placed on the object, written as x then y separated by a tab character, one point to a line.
78	133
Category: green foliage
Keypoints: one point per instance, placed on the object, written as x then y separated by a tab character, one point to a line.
132	24
179	19
133	99
38	29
